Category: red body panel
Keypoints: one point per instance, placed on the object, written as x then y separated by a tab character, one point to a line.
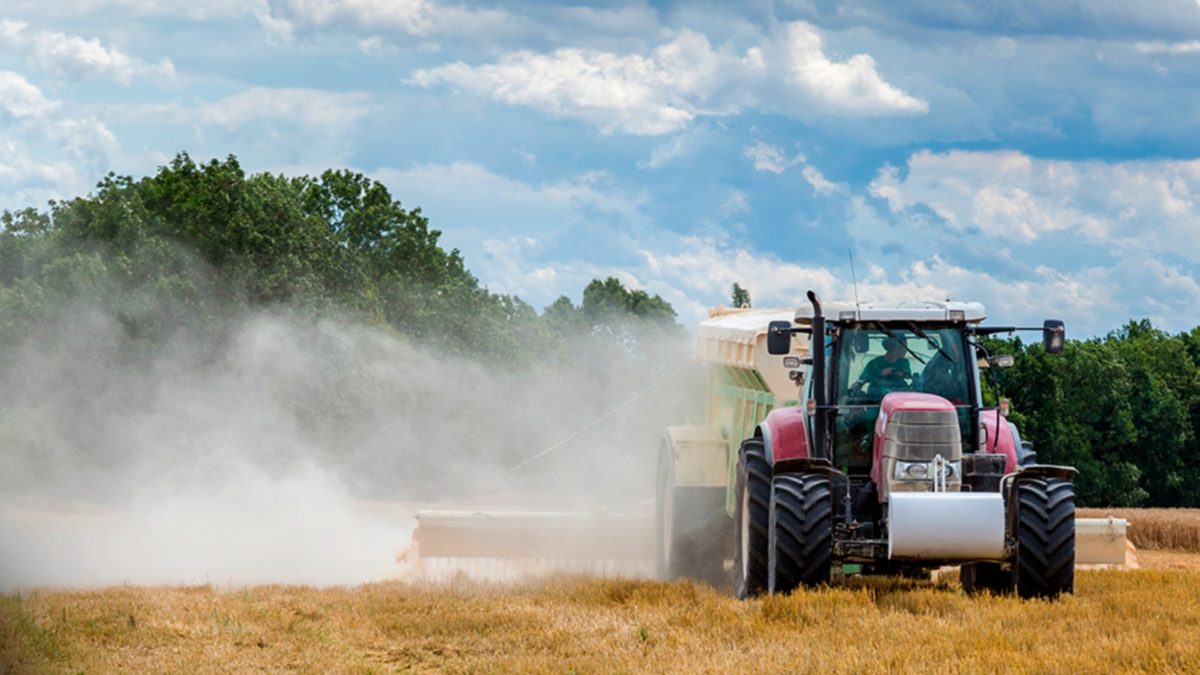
1006	445
891	403
786	434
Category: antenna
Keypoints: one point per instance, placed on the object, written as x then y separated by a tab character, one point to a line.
850	250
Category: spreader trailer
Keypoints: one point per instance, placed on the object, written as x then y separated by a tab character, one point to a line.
858	441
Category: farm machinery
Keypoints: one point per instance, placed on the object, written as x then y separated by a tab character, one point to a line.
875	454
854	438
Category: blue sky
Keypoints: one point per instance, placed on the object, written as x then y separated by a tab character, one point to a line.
1043	158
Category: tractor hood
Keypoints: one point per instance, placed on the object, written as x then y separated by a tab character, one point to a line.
917	440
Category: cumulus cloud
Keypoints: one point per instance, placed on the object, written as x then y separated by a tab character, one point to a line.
1092	299
1143	205
21	99
853	86
72	57
664	90
542	240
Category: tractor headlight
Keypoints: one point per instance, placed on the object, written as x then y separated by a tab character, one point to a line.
924	470
912	470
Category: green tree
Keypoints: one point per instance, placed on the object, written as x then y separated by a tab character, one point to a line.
741	296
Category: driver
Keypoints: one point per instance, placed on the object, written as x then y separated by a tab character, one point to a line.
889	370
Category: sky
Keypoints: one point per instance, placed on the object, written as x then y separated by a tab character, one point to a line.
1040	157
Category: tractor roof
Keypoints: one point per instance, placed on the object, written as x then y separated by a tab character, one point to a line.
972	312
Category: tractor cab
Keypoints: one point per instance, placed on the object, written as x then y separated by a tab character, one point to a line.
875	350
872	359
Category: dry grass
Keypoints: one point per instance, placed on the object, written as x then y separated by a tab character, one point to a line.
1145	620
1164	529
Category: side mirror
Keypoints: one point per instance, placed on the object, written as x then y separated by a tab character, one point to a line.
1003	361
779	337
862	342
1054	336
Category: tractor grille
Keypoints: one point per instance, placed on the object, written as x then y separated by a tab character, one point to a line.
922	435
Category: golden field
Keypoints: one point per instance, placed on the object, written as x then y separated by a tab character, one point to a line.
1143	620
1168	529
1119	621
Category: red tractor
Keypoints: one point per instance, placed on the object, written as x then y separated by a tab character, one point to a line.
891	462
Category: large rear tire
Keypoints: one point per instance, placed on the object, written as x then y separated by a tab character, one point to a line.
691	526
1045	538
801	532
751	519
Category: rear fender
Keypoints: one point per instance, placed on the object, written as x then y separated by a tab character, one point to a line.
785	434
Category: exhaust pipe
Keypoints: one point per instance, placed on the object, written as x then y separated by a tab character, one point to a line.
820	394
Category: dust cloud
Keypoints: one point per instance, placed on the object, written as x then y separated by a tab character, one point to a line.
287	449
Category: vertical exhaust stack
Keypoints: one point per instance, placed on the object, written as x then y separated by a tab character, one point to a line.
820	391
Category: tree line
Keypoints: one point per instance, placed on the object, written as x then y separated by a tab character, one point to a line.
1123	408
193	245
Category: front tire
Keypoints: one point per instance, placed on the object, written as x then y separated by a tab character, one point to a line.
801	532
751	520
1045	538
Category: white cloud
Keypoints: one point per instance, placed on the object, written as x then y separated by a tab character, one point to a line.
89	141
664	90
615	93
543	240
853	86
770	158
29	178
21	99
420	18
1092	299
19	170
818	180
73	57
1144	205
308	107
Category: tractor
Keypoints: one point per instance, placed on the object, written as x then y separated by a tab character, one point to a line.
868	449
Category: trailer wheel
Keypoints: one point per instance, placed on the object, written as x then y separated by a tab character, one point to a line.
985	576
751	519
691	526
1045	538
801	532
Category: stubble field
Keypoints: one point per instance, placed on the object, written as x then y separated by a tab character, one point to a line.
1143	620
